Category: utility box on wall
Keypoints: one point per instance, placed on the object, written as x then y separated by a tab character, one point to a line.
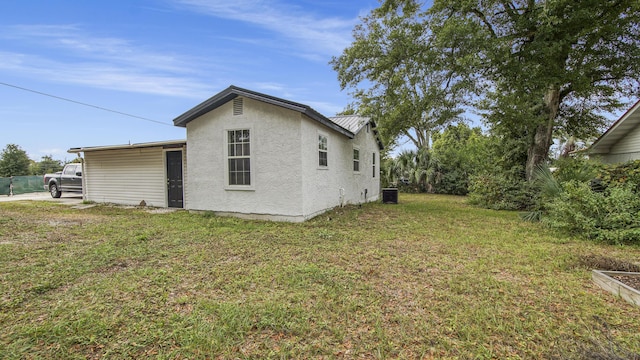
390	196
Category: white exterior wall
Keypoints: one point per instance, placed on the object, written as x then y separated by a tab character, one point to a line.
127	176
338	184
276	184
627	149
365	179
617	158
287	183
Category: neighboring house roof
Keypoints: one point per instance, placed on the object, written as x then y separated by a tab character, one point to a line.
232	92
617	131
165	144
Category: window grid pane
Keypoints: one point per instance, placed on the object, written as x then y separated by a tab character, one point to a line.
239	157
322	142
322	158
356	160
322	151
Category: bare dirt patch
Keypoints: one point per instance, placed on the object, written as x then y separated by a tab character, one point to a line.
605	263
629	280
161	210
600	262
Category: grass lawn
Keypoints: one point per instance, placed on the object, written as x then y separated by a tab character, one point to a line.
429	278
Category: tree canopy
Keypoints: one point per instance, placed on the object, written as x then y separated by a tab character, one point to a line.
14	161
47	165
537	69
458	152
398	74
553	65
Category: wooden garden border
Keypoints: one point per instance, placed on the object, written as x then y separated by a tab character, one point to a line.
605	281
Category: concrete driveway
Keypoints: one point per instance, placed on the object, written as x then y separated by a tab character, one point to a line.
70	199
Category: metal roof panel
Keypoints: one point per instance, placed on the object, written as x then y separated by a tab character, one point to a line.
168	143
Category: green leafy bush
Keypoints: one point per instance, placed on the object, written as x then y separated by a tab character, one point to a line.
617	174
611	216
580	169
461	152
548	183
453	182
500	192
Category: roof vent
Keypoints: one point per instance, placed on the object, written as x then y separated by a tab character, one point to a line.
237	106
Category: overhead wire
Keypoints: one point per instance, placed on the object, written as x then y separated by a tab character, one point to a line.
85	104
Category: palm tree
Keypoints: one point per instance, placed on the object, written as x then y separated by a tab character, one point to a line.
419	167
406	164
389	172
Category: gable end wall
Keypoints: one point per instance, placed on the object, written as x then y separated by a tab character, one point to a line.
276	190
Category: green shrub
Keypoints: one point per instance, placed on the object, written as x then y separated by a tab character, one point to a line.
500	192
580	169
611	216
410	188
454	182
617	174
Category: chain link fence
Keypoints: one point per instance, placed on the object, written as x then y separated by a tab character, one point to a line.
21	185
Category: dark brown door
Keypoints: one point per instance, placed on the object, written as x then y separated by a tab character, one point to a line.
174	178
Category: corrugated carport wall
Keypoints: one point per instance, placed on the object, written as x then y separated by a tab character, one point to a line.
127	176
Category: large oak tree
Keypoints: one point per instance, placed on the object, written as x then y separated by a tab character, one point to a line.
399	74
542	68
553	65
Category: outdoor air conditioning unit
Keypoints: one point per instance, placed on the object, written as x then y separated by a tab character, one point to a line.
390	196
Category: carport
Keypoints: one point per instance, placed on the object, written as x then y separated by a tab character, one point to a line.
151	174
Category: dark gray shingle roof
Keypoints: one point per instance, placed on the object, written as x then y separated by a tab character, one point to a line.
232	92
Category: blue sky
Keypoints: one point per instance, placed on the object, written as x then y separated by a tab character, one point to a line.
156	59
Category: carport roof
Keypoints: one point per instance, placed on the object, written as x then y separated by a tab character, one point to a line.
164	144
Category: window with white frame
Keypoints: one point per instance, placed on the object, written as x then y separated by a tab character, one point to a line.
239	157
356	160
322	151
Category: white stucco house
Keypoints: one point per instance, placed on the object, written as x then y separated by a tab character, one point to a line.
621	142
246	154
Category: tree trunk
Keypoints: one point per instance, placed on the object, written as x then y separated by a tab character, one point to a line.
420	139
539	150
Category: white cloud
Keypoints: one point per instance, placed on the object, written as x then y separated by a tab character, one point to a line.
278	89
21	32
105	76
312	35
272	87
102	62
297	94
325	108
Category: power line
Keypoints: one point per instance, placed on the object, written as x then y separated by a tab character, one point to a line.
85	104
